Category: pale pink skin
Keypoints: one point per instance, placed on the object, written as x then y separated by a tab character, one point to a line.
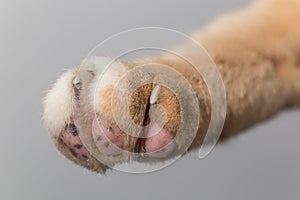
159	142
74	145
109	139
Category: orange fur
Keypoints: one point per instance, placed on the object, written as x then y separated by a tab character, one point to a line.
257	52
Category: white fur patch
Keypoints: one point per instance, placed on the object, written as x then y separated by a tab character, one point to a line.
58	104
108	73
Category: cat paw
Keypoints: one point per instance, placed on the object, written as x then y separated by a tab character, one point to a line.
90	115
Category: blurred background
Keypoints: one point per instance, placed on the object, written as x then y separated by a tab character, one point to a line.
39	39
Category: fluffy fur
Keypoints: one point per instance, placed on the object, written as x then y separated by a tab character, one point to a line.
257	52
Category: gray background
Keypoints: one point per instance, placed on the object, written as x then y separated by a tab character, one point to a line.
39	39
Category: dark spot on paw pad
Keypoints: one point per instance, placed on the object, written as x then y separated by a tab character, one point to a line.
73	130
78	146
111	130
106	144
73	152
99	138
84	156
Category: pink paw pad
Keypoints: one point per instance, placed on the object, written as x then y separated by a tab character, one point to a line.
160	142
70	138
108	137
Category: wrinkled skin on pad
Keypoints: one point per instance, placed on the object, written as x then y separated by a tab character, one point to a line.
110	139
